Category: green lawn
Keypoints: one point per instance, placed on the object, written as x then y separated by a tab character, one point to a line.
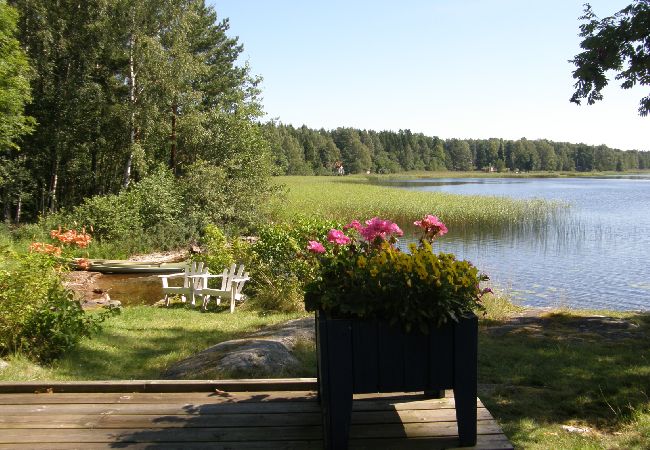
534	379
142	342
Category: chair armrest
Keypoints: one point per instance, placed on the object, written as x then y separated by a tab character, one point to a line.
172	275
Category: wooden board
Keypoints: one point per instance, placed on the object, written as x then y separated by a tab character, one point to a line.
243	385
233	420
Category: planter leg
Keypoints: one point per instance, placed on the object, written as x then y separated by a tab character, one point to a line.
465	379
337	417
335	384
435	394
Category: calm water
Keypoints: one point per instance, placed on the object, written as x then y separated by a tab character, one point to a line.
132	289
597	255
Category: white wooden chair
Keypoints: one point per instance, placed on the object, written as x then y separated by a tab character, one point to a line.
192	282
232	283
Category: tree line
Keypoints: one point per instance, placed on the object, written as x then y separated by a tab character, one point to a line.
306	151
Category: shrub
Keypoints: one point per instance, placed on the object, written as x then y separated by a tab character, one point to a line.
149	215
217	254
278	274
39	317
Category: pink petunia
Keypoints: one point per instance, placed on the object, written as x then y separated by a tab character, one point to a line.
315	247
431	225
337	237
354	224
377	227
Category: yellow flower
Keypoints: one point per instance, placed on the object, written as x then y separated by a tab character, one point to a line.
361	262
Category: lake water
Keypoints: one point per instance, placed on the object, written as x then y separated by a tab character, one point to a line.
596	255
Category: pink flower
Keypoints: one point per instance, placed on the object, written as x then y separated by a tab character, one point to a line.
315	247
337	237
431	225
377	227
354	224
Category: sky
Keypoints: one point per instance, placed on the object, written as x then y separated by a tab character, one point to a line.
446	68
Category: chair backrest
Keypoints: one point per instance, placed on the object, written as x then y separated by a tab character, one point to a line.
191	269
240	285
232	273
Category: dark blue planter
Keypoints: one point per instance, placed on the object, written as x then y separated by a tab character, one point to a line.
370	356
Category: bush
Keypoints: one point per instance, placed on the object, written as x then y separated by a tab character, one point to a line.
149	215
38	316
278	272
217	255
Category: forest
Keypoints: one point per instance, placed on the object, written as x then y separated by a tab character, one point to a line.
117	89
305	151
101	94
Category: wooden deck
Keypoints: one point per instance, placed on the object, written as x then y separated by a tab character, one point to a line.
220	415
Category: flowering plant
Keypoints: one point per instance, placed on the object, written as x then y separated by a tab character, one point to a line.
73	238
364	275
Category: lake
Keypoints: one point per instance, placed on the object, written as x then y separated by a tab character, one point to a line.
594	255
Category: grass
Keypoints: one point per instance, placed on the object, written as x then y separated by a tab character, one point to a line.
355	197
142	342
567	369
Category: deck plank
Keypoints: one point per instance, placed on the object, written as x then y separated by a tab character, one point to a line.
221	420
233	434
272	418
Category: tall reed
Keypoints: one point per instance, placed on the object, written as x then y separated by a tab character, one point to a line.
347	198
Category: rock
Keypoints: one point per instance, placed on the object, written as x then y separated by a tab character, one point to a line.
264	353
579	430
3	364
101	302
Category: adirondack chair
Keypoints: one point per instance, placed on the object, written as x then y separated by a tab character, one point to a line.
232	283
191	282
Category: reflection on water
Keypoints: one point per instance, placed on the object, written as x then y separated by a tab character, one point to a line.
131	289
593	255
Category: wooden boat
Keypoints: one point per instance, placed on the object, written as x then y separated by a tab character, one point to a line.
123	266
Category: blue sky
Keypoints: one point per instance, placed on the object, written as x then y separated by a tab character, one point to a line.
447	68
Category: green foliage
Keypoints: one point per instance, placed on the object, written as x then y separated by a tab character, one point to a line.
231	196
217	254
15	92
620	43
147	215
127	86
391	152
39	316
14	82
278	272
460	156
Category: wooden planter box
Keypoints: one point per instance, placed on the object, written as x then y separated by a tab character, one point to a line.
370	356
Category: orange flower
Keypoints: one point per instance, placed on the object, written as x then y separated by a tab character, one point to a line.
48	249
80	239
83	263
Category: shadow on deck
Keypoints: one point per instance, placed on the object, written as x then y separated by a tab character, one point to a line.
225	414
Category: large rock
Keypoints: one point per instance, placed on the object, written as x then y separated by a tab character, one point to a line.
265	353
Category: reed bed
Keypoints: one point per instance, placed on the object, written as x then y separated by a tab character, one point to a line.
347	198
